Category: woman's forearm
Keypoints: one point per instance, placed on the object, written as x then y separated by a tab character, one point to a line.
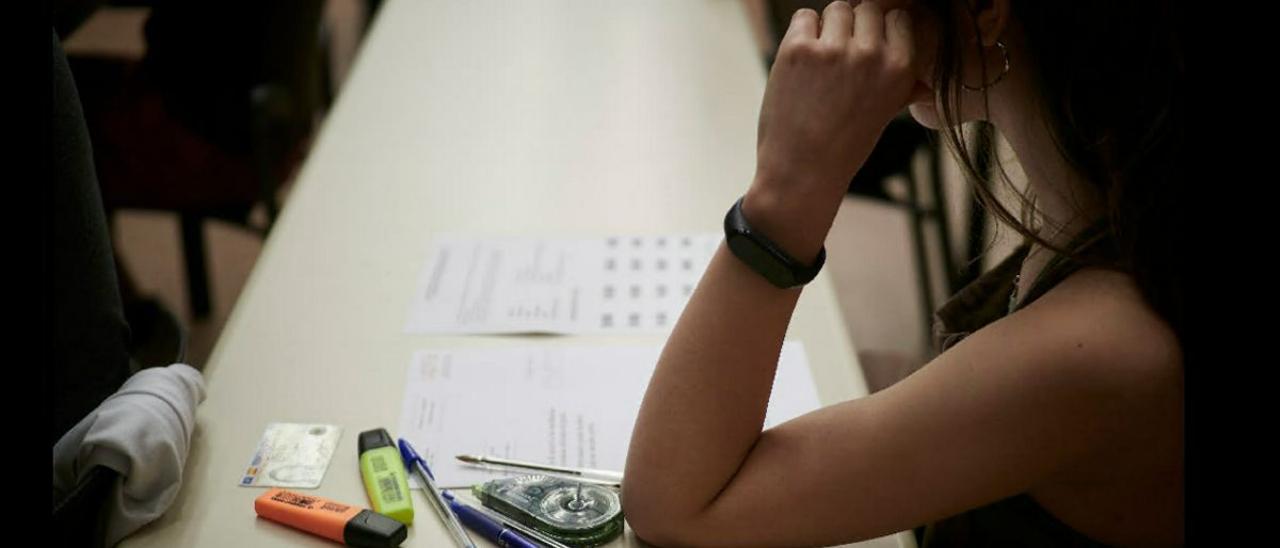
830	93
706	402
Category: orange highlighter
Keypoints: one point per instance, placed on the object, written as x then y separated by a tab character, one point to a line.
344	523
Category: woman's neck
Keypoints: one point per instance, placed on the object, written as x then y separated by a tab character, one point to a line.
1065	202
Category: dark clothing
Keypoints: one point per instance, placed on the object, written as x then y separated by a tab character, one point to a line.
1018	520
90	335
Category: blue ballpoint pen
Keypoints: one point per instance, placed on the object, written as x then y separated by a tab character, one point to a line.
490	529
416	463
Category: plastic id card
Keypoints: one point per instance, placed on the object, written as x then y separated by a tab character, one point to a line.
292	455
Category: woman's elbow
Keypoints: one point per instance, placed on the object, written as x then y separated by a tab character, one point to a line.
649	519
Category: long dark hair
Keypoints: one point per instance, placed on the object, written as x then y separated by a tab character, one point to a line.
1110	79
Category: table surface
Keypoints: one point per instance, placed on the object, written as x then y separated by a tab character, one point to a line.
551	118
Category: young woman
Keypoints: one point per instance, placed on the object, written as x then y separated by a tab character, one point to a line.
1054	414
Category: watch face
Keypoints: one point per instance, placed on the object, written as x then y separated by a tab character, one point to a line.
760	260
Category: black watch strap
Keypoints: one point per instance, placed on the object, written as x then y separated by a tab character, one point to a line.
765	257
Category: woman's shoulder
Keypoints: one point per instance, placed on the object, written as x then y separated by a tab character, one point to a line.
1112	336
1125	353
1089	350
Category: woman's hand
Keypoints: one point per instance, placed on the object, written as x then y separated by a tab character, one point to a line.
836	83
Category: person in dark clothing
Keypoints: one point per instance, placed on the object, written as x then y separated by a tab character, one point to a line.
90	334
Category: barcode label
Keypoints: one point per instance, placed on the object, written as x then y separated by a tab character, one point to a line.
335	507
390	489
294	499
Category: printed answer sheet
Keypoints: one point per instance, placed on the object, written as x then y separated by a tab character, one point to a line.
567	406
617	284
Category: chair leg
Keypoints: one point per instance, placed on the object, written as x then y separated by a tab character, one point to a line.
193	250
942	216
922	261
269	103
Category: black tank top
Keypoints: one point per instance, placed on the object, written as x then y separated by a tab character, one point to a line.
1018	520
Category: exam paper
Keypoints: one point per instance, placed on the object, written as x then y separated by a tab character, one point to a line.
568	406
617	284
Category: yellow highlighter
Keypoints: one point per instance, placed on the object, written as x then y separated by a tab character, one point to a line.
385	478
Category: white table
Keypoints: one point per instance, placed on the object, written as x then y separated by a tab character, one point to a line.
548	117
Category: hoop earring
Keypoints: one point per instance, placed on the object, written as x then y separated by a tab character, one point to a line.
1005	51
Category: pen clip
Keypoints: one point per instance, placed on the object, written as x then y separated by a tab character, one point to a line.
412	457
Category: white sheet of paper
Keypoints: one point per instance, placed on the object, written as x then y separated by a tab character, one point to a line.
568	406
618	284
